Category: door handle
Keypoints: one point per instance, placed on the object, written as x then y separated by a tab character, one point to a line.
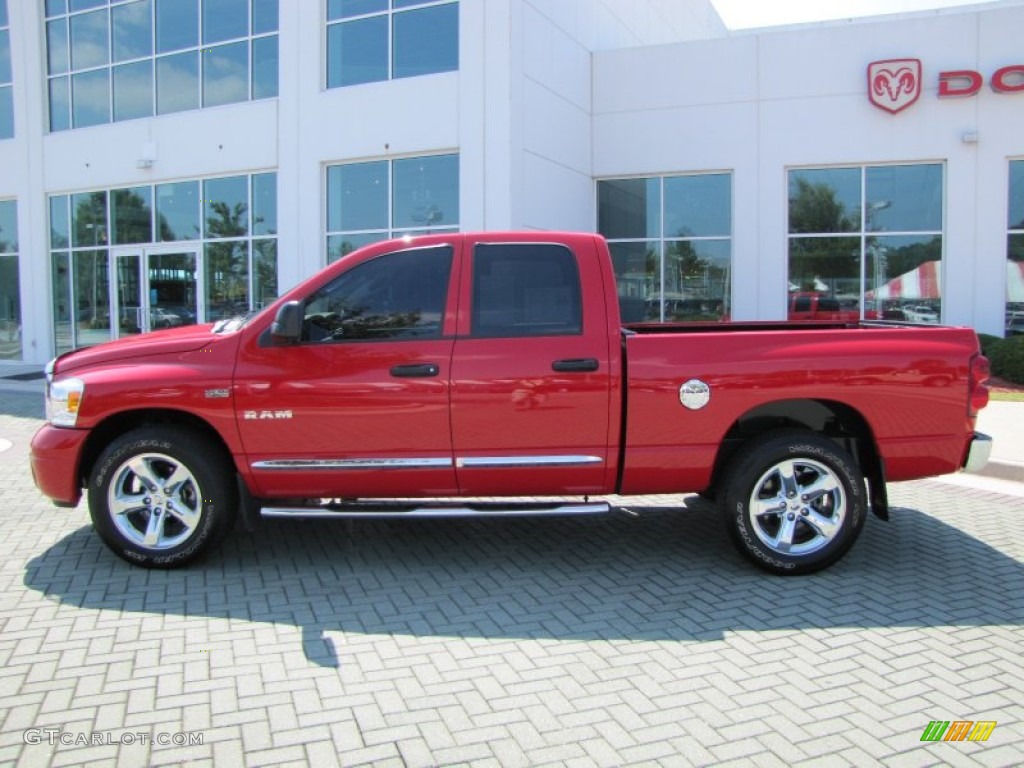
416	371
576	365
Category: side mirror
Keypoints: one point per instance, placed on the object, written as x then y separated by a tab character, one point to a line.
287	326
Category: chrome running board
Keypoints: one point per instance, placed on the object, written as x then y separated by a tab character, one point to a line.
393	510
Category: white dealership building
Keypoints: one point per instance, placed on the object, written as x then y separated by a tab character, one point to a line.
174	161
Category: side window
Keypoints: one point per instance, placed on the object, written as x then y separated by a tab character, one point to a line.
528	289
392	297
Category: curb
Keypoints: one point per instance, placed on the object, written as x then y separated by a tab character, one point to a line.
1003	470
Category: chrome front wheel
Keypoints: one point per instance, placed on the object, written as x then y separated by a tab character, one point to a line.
162	496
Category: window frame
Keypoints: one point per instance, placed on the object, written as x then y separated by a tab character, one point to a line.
664	240
389	14
60	81
863	235
367	236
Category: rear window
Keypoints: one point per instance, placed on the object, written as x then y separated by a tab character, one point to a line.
525	289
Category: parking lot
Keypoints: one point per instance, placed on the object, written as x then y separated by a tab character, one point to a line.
639	638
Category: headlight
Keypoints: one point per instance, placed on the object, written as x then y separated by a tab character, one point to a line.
63	399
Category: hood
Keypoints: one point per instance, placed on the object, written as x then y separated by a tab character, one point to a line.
165	342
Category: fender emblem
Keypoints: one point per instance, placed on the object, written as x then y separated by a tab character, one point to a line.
263	415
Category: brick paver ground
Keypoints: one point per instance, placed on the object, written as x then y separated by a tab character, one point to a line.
606	641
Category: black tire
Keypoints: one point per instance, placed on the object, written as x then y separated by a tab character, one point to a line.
162	496
794	502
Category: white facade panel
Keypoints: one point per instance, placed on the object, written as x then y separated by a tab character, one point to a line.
552	96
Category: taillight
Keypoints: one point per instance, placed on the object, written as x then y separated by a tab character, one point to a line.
980	371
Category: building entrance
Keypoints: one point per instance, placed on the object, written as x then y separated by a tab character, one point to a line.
155	288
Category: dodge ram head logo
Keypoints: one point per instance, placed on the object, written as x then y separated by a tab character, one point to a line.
895	84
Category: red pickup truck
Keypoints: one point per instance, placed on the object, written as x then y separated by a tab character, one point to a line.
417	376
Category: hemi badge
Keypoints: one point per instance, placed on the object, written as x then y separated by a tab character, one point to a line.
215	393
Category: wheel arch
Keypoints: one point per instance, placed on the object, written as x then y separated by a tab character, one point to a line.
835	420
101	435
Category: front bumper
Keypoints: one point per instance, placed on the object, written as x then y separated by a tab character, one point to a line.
978	452
55	457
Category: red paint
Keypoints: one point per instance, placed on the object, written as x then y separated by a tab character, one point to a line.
915	388
1009	79
962	82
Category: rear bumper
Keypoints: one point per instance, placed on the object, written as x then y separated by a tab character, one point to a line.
55	458
978	452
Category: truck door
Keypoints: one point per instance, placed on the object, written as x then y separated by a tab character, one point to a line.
530	373
359	407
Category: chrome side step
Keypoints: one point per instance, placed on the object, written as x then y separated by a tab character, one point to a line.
370	510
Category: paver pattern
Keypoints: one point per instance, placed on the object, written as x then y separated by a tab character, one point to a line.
619	640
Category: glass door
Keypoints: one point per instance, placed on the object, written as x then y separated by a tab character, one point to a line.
155	289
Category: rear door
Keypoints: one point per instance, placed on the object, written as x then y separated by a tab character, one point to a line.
531	373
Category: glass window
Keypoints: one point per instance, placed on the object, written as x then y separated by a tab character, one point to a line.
825	200
1016	217
82	5
1015	252
345	9
10	286
357	52
8	226
368	202
89	219
177	82
264	272
396	296
89	40
6	112
57	60
132	30
264	204
53	7
343	245
91	297
227	279
240	272
6	89
671	243
629	208
10	307
133	90
638	279
357	196
60	104
840	269
264	16
698	206
5	56
368	42
177	25
225	20
177	211
90	98
426	191
904	198
225	74
264	67
132	215
96	46
426	41
530	289
226	207
60	228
